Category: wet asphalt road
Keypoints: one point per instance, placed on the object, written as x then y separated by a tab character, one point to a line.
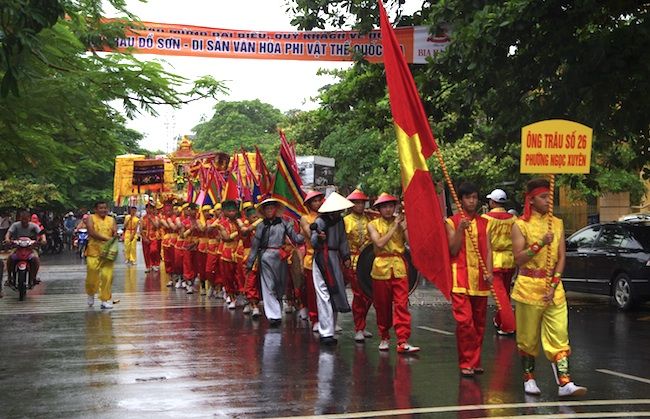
162	353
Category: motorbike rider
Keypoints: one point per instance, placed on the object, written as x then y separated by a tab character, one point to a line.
69	224
25	228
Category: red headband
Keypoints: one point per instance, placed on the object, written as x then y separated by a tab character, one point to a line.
527	209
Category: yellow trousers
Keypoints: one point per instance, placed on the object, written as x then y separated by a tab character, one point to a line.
99	277
130	246
550	323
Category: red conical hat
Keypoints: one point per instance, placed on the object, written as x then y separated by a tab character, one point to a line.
385	198
357	195
312	195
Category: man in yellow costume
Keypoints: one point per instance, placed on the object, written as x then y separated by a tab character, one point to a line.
131	224
99	273
390	285
541	307
356	228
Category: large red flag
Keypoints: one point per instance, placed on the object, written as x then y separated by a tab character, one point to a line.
415	142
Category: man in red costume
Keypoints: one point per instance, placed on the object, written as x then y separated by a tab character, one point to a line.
471	285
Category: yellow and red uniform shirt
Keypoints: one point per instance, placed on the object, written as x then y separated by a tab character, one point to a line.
147	228
131	225
191	240
229	248
309	250
356	228
465	268
214	238
530	286
204	240
499	228
170	236
389	260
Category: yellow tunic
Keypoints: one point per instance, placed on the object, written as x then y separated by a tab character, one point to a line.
105	228
531	288
309	254
356	228
389	261
99	273
500	240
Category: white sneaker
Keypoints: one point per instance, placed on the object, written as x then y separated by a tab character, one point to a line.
289	309
147	270
314	327
228	299
359	337
91	300
530	387
303	314
106	305
156	268
256	312
179	284
384	345
232	305
367	334
170	284
189	287
570	389
338	329
247	309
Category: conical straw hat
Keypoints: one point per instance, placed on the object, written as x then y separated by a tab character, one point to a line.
335	202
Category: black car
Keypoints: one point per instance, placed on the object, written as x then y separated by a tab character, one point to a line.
610	259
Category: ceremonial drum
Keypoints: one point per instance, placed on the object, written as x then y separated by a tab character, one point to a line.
364	267
295	269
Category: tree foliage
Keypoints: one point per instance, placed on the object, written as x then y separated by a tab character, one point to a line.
21	193
56	122
510	63
240	124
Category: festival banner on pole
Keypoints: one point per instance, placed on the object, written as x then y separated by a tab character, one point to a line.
182	40
556	146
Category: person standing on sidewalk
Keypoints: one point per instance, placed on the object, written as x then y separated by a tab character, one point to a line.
131	224
503	262
541	309
356	228
99	273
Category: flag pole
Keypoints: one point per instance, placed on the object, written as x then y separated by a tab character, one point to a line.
549	254
472	238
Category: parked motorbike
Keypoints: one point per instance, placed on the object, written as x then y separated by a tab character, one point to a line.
20	279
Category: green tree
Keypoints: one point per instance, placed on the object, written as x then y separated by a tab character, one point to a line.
514	62
56	122
240	124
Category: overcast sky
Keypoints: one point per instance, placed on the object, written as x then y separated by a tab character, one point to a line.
284	84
